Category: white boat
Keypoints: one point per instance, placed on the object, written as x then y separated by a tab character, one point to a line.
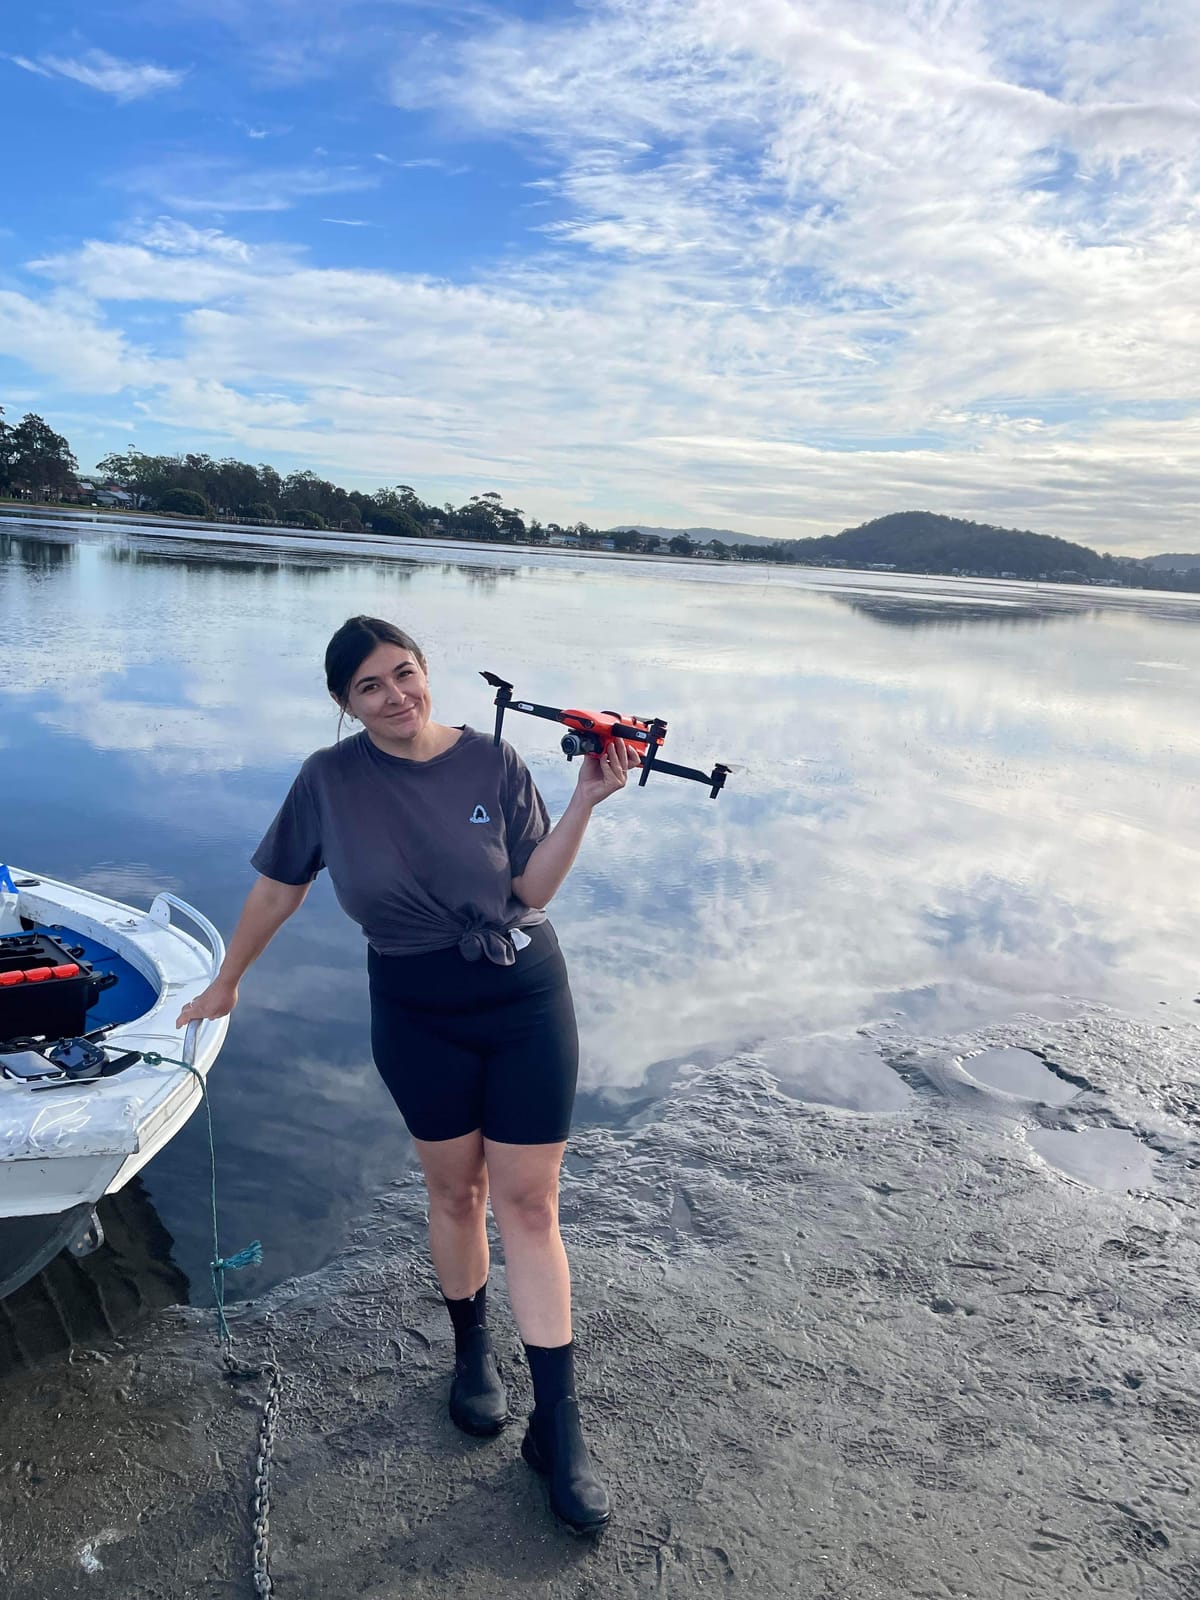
70	1132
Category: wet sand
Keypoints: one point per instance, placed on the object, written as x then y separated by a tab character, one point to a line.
824	1353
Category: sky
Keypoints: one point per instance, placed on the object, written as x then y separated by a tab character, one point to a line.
778	267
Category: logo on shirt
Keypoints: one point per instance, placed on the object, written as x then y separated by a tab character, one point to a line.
479	815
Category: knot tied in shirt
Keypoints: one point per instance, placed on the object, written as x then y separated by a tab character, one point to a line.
483	941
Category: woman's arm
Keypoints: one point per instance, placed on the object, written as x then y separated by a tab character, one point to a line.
268	906
554	857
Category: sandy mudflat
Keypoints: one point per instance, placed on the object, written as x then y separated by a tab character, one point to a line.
824	1354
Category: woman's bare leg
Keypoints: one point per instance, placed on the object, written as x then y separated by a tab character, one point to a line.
523	1179
457	1180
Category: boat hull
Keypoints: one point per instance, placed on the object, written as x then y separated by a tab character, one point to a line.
82	1276
67	1146
27	1244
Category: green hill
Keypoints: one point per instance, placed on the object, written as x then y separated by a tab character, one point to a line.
924	541
1173	563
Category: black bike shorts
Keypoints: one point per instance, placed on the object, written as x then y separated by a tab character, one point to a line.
466	1045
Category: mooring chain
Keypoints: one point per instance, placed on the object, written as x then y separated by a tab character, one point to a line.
260	1501
219	1265
262	1487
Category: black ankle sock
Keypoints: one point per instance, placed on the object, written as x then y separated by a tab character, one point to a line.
553	1372
468	1314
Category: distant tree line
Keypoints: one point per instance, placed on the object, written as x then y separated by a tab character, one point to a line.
35	460
37	463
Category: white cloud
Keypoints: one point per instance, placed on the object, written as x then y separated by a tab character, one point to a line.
65	335
433	163
124	80
29	66
394	372
203	183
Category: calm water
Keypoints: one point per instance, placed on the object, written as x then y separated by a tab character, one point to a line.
954	802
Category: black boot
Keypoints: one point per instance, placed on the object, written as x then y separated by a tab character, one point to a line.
478	1398
554	1447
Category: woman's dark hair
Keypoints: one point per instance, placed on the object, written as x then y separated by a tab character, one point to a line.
353	643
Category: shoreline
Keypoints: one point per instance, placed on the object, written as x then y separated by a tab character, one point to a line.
823	1354
276	536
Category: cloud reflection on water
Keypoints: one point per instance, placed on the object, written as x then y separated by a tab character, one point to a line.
947	821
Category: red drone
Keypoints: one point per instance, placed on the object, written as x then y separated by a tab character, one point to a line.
593	731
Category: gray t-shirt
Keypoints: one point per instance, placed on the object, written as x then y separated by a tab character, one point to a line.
421	854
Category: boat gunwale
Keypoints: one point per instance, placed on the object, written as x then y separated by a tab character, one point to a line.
167	1096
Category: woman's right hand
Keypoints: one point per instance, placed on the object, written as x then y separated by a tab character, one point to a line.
218	1000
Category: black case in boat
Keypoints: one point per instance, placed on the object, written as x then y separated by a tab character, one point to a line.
56	1008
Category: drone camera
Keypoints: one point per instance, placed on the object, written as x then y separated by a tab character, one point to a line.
581	744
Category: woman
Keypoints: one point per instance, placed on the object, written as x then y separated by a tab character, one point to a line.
439	846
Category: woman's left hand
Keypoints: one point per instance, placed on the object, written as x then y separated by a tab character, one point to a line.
600	776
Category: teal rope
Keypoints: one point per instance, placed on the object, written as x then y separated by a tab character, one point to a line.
251	1256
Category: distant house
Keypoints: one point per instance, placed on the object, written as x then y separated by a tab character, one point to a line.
112	497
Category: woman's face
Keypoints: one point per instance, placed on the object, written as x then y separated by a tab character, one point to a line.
389	694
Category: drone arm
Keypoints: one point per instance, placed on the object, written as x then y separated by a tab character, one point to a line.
621	730
505	702
551	713
715	779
